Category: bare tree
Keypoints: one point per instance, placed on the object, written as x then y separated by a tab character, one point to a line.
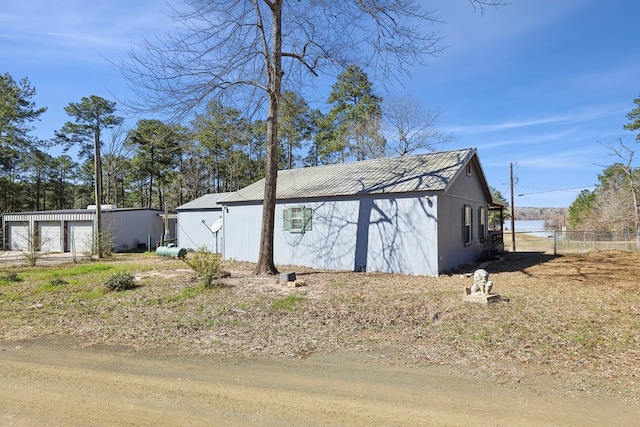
368	143
115	157
626	154
411	127
612	209
231	47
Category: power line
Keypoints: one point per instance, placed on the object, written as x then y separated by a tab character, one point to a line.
548	190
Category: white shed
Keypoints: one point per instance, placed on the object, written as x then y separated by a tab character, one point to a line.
424	214
200	223
73	230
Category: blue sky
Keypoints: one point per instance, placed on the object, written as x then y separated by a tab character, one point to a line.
535	84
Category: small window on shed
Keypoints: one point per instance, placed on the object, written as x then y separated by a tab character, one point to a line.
297	219
469	169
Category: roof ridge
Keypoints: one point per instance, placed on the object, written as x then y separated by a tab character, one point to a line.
378	160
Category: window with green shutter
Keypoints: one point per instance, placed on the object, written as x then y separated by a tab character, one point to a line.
297	219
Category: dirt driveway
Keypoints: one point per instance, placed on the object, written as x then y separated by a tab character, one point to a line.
63	383
18	258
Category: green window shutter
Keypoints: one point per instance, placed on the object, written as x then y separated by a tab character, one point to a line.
286	219
307	216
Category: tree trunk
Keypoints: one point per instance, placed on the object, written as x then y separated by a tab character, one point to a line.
274	71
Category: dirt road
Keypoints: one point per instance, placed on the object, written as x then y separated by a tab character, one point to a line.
65	383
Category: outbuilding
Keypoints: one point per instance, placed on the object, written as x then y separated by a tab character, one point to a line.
200	223
73	230
424	214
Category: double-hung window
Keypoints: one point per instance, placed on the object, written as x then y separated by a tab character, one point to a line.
467	234
297	219
482	223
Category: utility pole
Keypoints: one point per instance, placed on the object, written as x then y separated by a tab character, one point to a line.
513	214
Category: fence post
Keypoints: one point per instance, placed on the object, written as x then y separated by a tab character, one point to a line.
595	241
555	243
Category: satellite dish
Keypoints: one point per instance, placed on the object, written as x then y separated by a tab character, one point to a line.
216	226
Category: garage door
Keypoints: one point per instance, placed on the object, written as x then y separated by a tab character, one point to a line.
49	237
79	237
19	236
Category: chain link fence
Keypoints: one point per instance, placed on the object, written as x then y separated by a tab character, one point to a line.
571	242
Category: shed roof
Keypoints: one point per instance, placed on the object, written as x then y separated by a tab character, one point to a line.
421	173
79	211
208	201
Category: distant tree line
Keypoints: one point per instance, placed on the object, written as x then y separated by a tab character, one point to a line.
220	149
613	204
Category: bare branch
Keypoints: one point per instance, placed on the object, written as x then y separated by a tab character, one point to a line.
484	4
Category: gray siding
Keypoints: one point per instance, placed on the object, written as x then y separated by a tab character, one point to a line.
384	234
387	224
465	190
193	234
243	223
132	227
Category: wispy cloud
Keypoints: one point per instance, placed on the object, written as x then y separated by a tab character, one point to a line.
575	117
468	28
564	160
76	29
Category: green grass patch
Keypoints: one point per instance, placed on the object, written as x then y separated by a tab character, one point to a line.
91	295
187	293
291	302
85	269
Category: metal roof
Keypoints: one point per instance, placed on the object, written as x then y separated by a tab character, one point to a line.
208	201
78	211
426	172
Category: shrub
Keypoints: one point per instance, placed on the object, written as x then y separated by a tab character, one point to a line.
120	282
57	281
207	265
11	276
209	280
31	258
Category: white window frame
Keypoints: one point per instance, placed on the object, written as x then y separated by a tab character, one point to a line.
297	219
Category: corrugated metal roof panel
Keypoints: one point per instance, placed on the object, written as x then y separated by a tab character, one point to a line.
208	201
427	172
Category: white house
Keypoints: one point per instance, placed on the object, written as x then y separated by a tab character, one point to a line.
72	230
200	223
424	214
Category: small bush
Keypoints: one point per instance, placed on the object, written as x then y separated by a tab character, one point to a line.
209	280
120	282
11	276
57	281
31	258
207	265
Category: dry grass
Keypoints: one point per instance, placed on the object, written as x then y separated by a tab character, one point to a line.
575	318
